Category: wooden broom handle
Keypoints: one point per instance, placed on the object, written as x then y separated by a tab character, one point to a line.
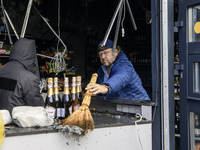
94	78
88	94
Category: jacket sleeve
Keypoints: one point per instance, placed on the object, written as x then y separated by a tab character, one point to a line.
31	92
121	76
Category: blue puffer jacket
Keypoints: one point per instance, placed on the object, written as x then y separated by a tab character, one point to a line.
123	80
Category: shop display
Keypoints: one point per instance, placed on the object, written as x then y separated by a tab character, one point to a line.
50	66
60	108
176	91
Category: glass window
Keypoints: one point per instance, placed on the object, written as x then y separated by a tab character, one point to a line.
195	130
197	77
194	23
194	76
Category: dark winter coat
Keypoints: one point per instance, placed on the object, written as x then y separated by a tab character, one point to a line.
123	80
18	83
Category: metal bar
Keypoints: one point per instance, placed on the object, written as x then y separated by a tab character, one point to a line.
11	24
165	71
161	78
10	39
131	15
111	23
54	34
8	30
26	18
117	27
156	78
46	56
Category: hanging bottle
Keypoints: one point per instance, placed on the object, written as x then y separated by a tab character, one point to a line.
66	99
50	102
79	90
57	98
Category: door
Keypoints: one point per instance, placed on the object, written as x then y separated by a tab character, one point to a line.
189	53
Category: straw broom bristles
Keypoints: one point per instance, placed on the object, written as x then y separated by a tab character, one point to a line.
82	117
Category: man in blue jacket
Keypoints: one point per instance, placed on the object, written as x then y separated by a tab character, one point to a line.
117	76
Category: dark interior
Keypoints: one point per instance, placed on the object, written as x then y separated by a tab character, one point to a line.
82	25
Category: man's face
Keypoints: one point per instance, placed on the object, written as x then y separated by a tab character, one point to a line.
106	57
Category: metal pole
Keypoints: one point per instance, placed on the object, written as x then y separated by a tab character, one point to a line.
26	18
117	28
161	78
55	35
111	23
131	15
11	24
165	74
46	56
10	39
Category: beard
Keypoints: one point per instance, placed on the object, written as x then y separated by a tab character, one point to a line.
107	64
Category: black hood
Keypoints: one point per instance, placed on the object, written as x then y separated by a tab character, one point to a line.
24	51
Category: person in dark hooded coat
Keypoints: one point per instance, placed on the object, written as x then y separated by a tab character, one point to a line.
19	85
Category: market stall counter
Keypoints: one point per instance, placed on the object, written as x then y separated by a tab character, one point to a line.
119	124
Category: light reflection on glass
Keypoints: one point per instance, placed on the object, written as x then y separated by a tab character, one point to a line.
197	77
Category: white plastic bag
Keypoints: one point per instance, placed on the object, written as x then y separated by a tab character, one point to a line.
6	116
28	116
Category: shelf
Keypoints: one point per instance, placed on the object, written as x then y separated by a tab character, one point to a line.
197	138
176	63
177	99
137	64
70	73
177	135
4	55
13	34
69	58
138	43
66	58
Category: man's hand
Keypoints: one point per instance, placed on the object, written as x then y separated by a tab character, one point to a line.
96	88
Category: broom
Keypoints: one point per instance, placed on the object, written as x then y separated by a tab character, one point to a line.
82	117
